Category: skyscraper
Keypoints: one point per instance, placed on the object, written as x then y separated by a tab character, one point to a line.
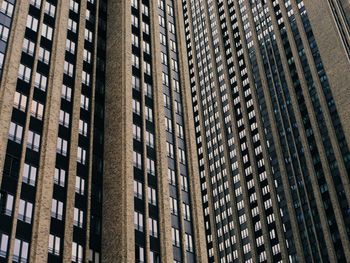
174	131
270	88
96	134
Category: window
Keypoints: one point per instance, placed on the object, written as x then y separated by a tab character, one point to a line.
15	132
136	106
153	227
78	217
60	176
189	243
74	6
134	21
186	211
84	102
50	9
165	79
20	251
135	61
70	46
28	46
173	205
36	3
64	118
32	23
138	189
68	68
147	68
146	47
137	160
46	31
184	183
134	3
149	139
150	166
182	156
66	93
135	40
136	130
37	110
87	56
152	196
140	254
149	114
88	35
3	245
25	211
175	236
72	25
62	146
29	174
145	10
148	89
24	73
6	201
40	81
83	128
85	78
135	83
162	39
180	131
79	185
81	155
145	28
54	245
138	221
171	176
56	209
44	55
170	149
77	253
7	8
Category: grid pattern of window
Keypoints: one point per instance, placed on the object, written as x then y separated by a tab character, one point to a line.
260	94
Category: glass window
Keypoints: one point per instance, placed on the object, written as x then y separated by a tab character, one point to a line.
46	31
25	211
62	146
78	217
81	155
24	73
60	176
40	81
153	227
57	209
20	101
29	174
64	118
37	110
3	245
152	196
175	237
32	23
15	132
79	185
138	221
54	245
20	251
77	253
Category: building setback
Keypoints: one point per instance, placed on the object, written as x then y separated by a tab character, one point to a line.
174	131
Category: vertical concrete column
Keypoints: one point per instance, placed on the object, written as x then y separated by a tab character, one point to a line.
118	204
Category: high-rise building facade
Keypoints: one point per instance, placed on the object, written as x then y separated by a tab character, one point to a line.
174	131
96	153
270	89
